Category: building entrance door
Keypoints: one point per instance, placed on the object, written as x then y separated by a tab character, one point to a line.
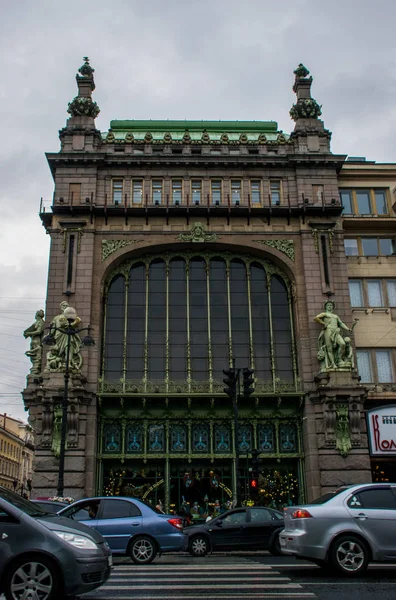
201	488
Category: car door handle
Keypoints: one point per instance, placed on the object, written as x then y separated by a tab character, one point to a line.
135	524
361	516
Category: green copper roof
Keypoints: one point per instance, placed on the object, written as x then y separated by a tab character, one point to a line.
195	126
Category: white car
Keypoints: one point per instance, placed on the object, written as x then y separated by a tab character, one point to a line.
345	529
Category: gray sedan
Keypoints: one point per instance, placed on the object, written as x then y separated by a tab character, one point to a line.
345	529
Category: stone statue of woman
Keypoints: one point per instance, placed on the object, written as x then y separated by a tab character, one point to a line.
35	332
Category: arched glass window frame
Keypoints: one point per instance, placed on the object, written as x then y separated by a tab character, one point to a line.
273	384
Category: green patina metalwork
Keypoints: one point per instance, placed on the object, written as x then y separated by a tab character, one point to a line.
342	432
195	132
110	246
285	246
301	71
83	107
306	108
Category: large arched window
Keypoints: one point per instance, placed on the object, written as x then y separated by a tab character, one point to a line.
178	322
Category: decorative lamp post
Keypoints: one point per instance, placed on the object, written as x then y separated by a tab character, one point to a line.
70	332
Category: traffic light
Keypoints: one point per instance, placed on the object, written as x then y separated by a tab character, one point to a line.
230	381
255	464
248	381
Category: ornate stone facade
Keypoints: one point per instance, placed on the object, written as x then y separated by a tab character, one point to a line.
245	195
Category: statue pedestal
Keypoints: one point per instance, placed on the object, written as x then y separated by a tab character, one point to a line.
336	421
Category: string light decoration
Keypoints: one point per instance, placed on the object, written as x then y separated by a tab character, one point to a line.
379	475
277	489
115	483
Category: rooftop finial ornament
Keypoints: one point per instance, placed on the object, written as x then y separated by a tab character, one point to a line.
86	70
301	71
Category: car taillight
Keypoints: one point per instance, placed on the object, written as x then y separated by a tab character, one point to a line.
178	523
301	514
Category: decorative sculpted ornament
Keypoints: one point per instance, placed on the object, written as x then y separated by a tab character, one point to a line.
56	357
334	351
86	70
343	437
197	234
306	108
35	332
83	107
301	71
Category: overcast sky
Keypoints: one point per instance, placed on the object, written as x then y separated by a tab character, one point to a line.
169	59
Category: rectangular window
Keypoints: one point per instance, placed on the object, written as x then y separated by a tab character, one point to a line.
275	187
370	246
235	192
117	191
346	201
137	191
374	290
255	191
384	366
157	191
380	202
355	292
364	366
74	193
387	246
176	191
351	247
363	202
196	195
216	193
391	289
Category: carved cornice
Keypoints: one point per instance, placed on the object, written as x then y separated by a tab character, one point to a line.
285	246
110	246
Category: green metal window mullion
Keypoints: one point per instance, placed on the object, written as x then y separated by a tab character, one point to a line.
229	312
271	333
104	341
145	352
210	357
293	343
124	355
188	353
251	344
167	328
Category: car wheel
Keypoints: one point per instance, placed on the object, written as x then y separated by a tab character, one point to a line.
199	545
274	546
143	550
32	578
349	555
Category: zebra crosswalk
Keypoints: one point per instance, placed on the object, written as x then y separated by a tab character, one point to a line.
217	581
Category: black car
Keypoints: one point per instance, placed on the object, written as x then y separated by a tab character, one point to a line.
250	528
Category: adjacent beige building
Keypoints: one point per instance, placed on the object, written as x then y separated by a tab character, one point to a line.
186	246
16	454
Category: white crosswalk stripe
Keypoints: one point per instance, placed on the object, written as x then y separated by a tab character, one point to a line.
225	581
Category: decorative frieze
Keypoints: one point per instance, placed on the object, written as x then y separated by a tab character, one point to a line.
285	246
110	246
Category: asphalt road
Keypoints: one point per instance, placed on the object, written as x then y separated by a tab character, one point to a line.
236	576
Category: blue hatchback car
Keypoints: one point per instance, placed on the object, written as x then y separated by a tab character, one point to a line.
130	526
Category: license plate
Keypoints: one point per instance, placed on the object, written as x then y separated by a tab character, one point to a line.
110	560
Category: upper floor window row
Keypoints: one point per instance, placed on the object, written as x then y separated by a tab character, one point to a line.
370	246
215	192
372	292
376	365
365	201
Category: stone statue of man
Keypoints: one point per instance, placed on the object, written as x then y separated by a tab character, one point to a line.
35	332
332	346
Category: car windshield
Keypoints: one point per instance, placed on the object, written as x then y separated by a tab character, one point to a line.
33	510
328	496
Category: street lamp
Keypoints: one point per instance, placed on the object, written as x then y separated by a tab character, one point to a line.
49	340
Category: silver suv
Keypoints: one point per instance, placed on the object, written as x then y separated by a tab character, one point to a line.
345	529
